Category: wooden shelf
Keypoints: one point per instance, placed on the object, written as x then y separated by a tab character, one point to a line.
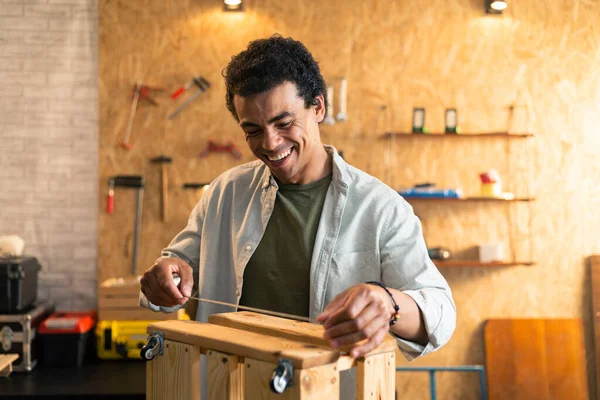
438	135
468	199
474	263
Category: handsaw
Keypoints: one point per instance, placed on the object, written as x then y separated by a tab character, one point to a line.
177	280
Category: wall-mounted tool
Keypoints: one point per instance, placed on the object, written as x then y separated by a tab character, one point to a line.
202	85
198	187
139	90
136	182
451	120
110	199
418	124
343	114
212	147
439	253
195	185
163	161
329	120
183	88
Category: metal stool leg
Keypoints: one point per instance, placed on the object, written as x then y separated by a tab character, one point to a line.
432	384
483	384
463	368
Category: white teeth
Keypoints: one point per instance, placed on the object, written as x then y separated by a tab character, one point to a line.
281	156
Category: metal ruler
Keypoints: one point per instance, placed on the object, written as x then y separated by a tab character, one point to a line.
177	280
257	310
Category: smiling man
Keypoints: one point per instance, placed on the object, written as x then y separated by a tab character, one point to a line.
300	231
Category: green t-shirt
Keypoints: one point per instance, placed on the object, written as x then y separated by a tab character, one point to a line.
277	276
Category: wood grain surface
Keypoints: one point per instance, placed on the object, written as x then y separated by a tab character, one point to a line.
535	359
245	344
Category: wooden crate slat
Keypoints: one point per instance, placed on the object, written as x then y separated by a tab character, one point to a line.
244	343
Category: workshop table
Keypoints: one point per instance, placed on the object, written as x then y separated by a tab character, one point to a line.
93	380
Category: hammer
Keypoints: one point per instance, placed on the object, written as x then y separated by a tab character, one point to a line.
163	161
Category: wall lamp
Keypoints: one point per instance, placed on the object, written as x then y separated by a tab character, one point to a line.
233	5
495	6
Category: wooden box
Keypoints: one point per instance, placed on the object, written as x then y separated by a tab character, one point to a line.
244	349
118	299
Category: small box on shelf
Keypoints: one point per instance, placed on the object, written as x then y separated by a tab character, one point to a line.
491	252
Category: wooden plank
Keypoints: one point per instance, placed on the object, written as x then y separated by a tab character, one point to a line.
175	374
125	297
317	383
6	361
515	359
245	344
149	380
376	377
119	287
285	328
535	359
6	371
530	350
139	314
565	355
270	325
594	262
499	361
118	302
346	362
225	374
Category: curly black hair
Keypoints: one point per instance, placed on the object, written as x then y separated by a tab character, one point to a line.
267	63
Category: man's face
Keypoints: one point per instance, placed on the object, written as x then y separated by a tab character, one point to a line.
281	132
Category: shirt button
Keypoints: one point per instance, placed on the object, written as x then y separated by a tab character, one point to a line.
248	248
237	292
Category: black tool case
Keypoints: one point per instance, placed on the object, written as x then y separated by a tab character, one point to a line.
19	335
18	283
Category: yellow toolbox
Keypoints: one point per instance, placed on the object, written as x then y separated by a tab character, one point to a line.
118	340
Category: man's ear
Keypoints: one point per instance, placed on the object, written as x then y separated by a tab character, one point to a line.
319	108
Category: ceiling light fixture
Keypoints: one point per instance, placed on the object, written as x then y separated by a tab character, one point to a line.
233	5
495	6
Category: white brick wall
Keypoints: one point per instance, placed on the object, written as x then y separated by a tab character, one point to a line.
49	141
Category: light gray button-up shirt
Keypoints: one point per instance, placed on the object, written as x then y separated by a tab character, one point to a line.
367	232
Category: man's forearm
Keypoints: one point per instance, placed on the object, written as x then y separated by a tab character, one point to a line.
410	325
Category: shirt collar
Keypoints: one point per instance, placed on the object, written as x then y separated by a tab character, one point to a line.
339	177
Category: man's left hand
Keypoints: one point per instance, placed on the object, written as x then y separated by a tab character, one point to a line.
360	313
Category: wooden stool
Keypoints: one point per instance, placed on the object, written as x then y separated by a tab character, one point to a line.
255	356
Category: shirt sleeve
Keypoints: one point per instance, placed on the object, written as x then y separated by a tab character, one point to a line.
185	246
406	266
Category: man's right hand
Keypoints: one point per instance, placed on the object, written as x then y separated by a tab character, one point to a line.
158	285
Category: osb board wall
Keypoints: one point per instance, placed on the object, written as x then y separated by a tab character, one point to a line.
539	56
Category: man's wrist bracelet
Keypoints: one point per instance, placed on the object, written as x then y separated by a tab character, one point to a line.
396	314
